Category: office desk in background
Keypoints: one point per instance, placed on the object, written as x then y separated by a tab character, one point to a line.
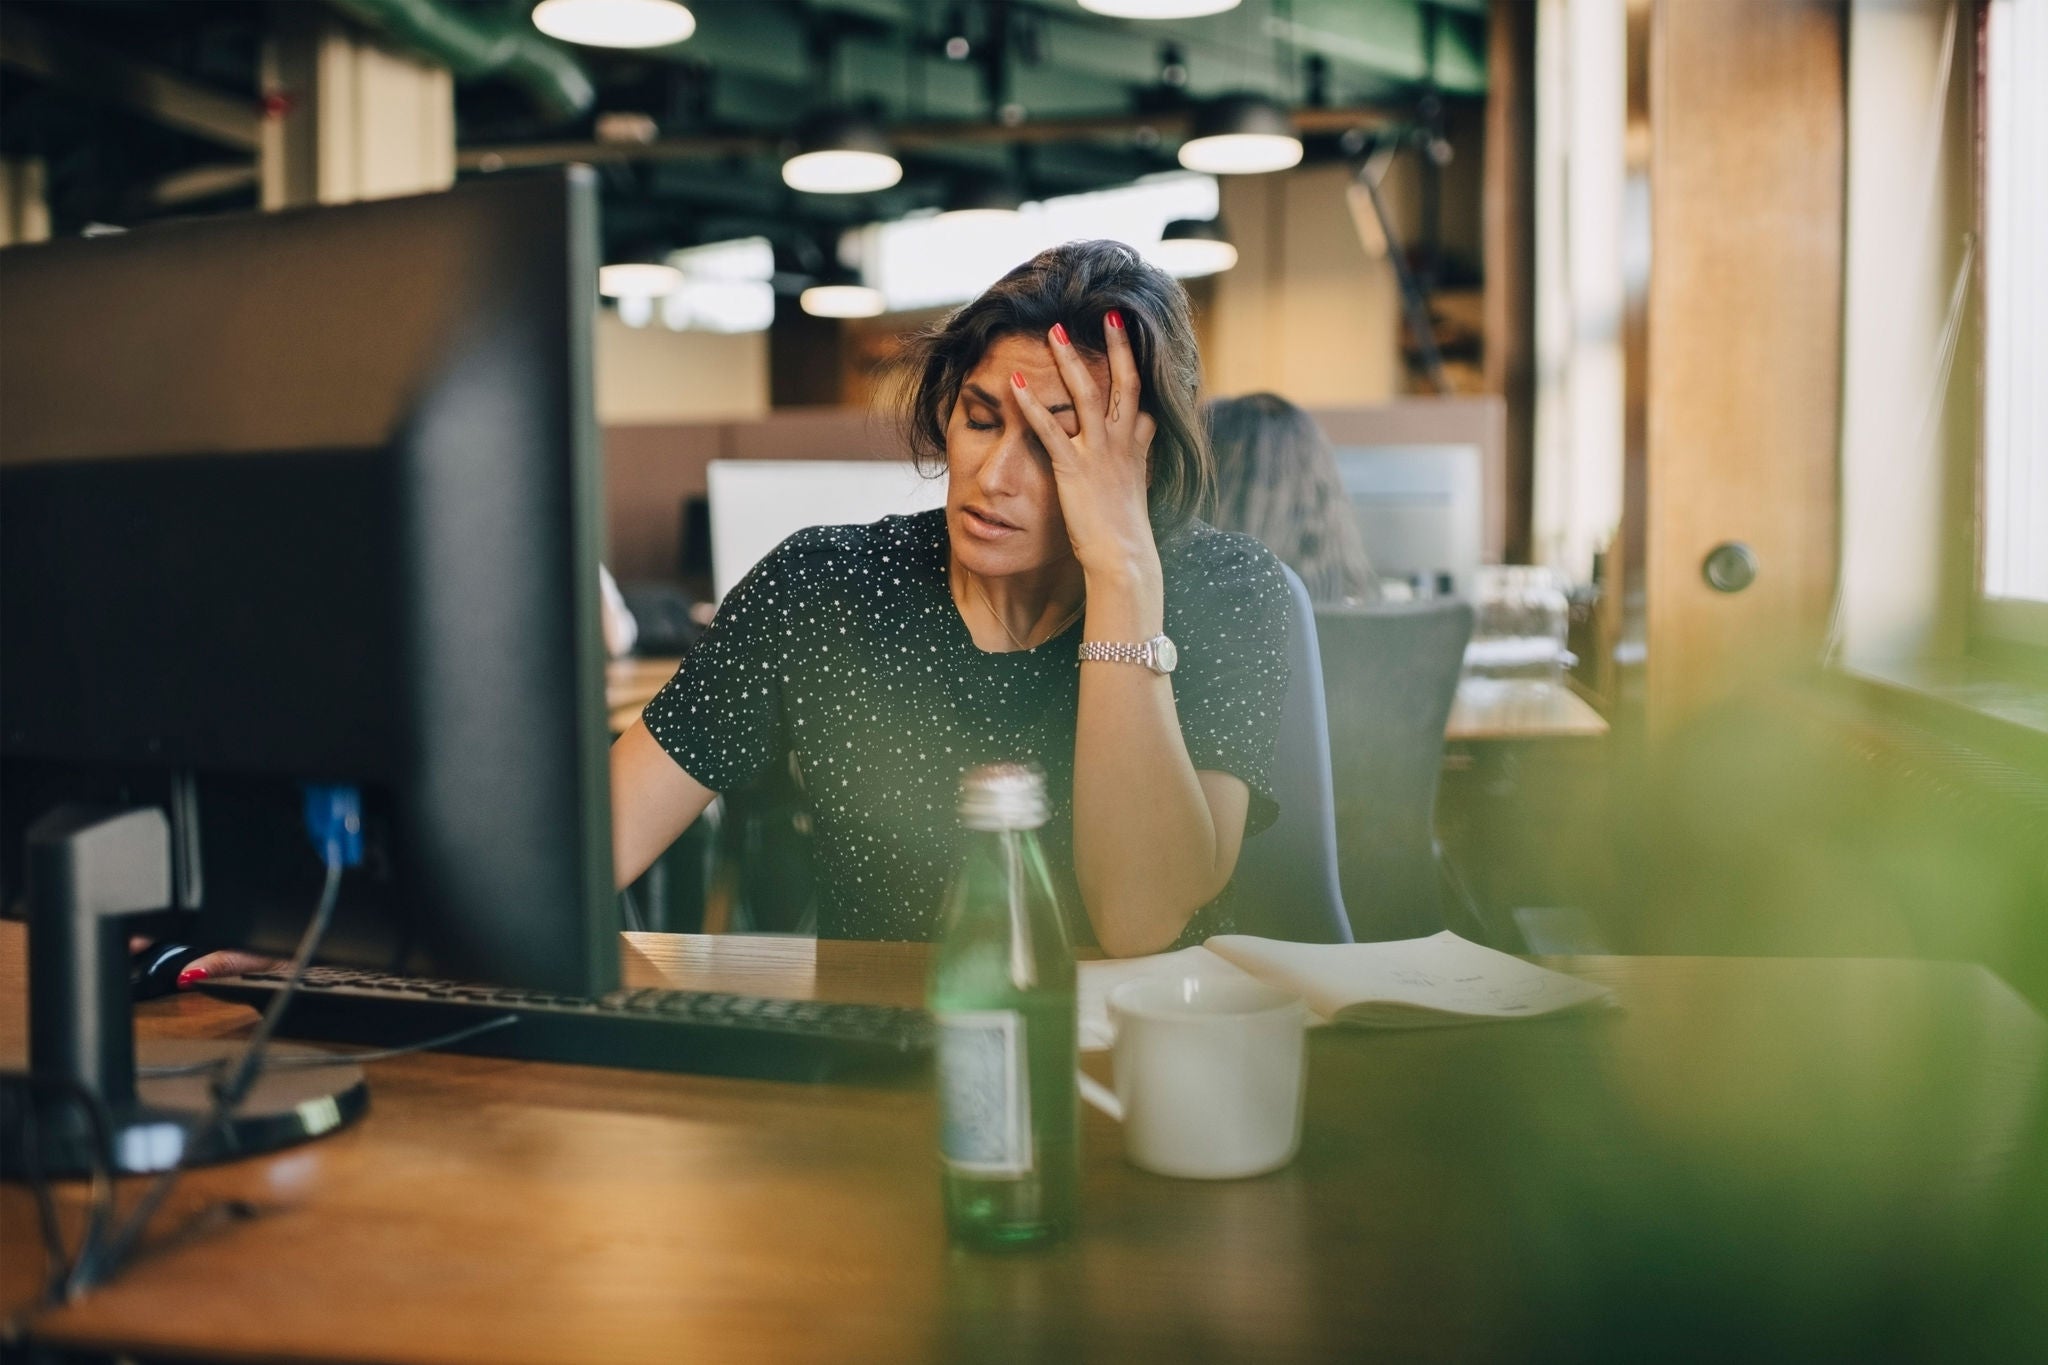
629	684
1517	710
1749	1147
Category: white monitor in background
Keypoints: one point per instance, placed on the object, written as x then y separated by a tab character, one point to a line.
758	504
1419	509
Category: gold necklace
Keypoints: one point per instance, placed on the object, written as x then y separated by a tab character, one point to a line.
1072	616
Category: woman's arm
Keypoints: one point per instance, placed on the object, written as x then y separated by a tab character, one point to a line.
1154	840
653	802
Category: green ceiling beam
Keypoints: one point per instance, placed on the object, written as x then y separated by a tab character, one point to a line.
1091	64
1392	37
765	73
476	44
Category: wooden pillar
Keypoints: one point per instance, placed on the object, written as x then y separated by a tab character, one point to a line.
1509	249
1745	344
806	358
348	118
1308	311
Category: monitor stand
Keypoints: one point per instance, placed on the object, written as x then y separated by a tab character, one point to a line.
88	870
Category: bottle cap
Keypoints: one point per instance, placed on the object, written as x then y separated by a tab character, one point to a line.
1000	796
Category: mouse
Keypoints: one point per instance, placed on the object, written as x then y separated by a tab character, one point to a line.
153	971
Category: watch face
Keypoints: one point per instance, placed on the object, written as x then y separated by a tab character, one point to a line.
1164	654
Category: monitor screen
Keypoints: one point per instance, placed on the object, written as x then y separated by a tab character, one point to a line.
1419	509
313	497
758	504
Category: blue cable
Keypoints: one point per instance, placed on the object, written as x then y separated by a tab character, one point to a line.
334	818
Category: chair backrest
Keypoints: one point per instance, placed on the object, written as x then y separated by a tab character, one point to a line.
1287	874
1390	673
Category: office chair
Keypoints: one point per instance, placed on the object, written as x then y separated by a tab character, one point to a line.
662	612
1287	875
1390	673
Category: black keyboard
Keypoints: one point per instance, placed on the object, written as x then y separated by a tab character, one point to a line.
703	1032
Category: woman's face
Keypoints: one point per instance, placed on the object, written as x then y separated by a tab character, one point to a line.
1002	505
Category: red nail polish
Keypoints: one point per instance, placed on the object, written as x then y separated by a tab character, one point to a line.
1059	334
1017	378
190	975
1114	319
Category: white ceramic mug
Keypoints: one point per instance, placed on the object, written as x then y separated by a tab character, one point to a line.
1208	1076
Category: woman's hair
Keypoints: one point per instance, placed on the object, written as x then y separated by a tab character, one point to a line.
1276	480
1074	284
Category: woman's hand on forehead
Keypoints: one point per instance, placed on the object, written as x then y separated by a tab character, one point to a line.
1099	447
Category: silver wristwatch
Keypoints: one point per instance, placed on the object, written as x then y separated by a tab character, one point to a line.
1157	653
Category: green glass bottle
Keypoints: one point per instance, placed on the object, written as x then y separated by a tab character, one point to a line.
1002	991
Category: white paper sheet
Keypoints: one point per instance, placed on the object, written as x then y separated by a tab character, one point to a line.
1410	983
1442	979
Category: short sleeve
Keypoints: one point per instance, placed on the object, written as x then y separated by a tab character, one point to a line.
1227	610
721	716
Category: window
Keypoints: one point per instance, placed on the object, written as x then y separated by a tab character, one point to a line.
938	262
2013	553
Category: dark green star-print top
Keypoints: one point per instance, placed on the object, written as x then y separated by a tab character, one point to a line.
844	647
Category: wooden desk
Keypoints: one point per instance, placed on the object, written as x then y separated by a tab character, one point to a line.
1753	1149
629	684
1519	709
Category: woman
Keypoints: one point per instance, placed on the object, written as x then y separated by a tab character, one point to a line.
890	658
1277	481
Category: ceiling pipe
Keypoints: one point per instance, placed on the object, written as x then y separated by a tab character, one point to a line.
473	45
908	137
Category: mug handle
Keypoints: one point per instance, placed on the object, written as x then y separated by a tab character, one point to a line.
1100	1095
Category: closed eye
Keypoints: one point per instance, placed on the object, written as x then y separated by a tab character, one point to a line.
973	425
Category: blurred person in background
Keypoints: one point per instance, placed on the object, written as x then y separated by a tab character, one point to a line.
1277	481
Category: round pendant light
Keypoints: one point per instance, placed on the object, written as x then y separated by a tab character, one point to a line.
615	23
1192	247
842	301
841	153
1240	135
1158	9
638	273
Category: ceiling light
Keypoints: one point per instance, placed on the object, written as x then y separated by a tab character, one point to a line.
615	23
713	305
637	279
986	216
737	258
1158	9
841	301
1191	247
1240	135
841	153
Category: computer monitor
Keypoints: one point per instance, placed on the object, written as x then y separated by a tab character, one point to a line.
313	497
758	504
1419	510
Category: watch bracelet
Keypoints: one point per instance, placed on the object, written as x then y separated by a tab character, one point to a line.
1115	652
